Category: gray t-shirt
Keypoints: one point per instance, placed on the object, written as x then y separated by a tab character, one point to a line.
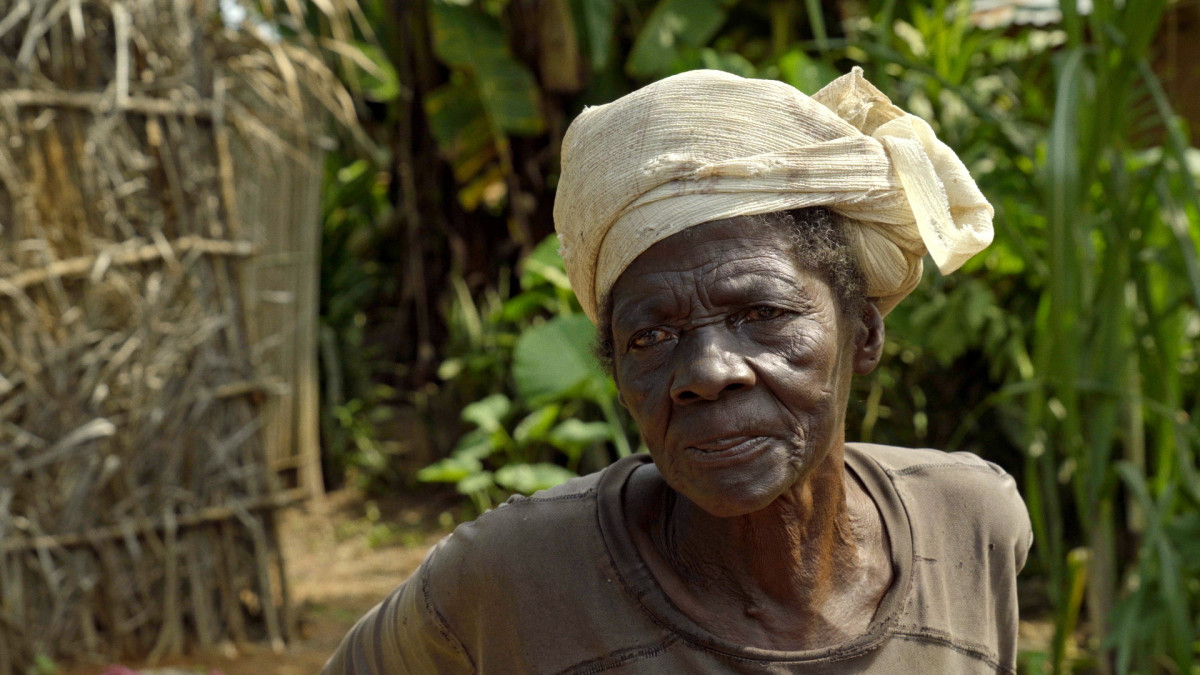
553	583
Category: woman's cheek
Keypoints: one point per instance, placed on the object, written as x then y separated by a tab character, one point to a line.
643	398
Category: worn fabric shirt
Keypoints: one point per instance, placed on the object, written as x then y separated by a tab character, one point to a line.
553	583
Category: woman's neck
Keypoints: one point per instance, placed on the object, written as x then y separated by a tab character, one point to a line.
803	572
792	551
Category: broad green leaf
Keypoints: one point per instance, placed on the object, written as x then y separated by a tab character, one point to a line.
573	436
379	80
473	41
450	368
535	425
596	19
555	359
805	73
674	24
523	306
488	413
574	432
461	33
475	445
476	482
544	264
449	470
727	61
500	440
509	94
461	128
529	478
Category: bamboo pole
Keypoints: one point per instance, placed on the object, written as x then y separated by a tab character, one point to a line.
102	104
98	263
197	574
145	526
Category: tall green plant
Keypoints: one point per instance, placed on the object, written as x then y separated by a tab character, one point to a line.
1106	318
547	410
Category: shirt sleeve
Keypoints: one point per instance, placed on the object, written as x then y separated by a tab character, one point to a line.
1012	513
402	634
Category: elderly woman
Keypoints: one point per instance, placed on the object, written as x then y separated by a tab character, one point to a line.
737	244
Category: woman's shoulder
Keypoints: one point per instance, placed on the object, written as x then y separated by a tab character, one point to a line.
937	471
516	529
970	536
921	460
516	571
950	491
526	538
523	574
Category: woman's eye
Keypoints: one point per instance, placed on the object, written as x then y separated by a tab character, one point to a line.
649	338
764	313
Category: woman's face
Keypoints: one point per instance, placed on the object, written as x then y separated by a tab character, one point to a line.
734	362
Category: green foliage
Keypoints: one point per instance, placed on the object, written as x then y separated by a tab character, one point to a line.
473	42
375	79
354	405
489	96
1157	616
574	373
595	21
674	27
367	458
43	665
549	410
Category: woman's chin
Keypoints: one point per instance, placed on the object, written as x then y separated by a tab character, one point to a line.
728	494
727	489
732	509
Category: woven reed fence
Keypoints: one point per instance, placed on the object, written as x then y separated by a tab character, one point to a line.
158	177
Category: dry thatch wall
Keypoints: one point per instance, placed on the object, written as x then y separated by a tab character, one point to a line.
158	186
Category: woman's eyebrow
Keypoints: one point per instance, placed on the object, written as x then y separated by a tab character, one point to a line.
646	308
740	287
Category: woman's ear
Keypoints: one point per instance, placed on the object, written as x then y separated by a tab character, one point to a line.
869	347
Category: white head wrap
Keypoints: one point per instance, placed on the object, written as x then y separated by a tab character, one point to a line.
706	145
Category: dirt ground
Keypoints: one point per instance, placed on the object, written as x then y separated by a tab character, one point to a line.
341	557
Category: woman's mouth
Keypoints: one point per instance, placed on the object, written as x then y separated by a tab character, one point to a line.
730	450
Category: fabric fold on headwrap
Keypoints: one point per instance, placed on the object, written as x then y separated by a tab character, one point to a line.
707	145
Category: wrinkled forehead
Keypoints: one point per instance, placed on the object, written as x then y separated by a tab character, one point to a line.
727	262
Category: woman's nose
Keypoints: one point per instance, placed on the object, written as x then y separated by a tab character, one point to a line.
710	366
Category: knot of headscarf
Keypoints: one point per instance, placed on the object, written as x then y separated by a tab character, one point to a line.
706	145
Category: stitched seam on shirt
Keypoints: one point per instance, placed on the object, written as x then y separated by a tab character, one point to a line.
916	468
590	492
621	657
586	494
920	634
440	622
695	642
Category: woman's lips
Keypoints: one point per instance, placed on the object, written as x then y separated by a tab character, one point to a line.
729	450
